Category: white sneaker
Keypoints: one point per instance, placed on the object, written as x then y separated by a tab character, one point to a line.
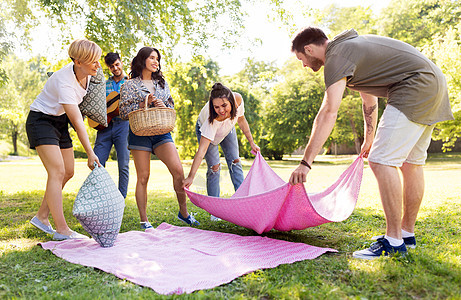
215	219
73	236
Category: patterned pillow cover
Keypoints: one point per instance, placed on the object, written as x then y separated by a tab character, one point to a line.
94	102
99	207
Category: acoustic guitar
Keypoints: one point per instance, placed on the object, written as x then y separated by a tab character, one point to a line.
112	101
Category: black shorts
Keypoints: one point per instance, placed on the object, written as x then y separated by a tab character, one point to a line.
43	129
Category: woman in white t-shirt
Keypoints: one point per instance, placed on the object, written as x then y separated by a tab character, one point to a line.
216	126
47	131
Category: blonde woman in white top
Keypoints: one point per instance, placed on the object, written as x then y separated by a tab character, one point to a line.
47	131
216	126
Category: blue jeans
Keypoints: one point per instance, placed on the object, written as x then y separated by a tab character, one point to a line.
230	148
116	134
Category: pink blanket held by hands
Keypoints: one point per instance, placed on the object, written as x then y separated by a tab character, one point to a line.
264	201
176	260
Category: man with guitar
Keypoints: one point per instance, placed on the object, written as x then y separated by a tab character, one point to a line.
117	132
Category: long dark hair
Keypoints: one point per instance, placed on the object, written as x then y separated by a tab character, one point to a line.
139	63
220	91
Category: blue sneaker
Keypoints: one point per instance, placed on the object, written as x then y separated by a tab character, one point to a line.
190	220
146	225
45	228
380	248
410	242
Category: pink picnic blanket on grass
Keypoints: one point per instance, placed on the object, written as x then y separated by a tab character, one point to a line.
264	201
176	260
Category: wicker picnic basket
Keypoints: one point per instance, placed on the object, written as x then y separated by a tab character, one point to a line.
152	121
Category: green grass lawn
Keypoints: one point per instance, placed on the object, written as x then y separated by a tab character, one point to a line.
431	271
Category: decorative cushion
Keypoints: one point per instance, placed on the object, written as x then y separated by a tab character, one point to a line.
94	102
99	207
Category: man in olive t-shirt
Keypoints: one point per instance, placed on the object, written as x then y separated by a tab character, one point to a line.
417	99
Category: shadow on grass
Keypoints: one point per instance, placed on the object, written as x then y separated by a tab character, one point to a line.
432	270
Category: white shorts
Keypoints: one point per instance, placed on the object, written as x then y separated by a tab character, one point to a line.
400	140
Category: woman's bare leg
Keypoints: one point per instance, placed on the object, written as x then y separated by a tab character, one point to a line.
168	154
55	164
142	164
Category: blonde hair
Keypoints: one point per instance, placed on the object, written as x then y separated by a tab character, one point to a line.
84	51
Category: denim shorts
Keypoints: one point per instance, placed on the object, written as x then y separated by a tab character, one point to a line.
147	143
43	129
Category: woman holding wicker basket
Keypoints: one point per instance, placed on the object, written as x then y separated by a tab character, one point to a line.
148	88
216	126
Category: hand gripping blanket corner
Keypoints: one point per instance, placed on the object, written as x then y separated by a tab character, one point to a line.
264	201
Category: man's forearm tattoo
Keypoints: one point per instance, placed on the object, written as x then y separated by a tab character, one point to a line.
368	114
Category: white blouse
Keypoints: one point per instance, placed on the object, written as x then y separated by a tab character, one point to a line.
218	130
61	88
149	85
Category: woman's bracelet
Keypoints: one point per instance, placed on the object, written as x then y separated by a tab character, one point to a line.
305	163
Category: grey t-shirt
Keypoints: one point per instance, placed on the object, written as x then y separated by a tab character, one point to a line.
389	68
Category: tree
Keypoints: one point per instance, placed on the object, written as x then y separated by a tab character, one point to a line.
252	115
190	84
254	83
445	50
26	81
289	117
349	124
123	25
337	19
418	21
5	47
257	76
